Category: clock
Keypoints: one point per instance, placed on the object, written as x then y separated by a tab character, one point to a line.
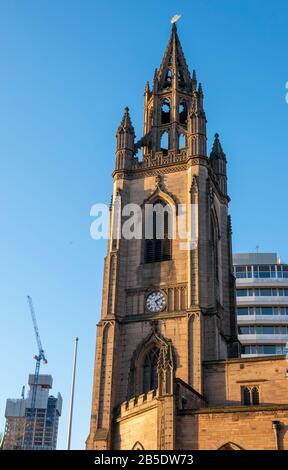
156	301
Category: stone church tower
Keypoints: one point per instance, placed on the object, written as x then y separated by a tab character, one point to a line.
167	335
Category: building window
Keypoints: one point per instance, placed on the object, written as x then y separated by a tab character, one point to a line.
151	115
181	82
230	446
262	271
269	349
215	254
240	271
150	375
164	144
138	446
263	330
241	293
182	141
183	113
255	396
246	396
269	311
250	396
158	248
165	111
168	79
264	349
243	330
242	311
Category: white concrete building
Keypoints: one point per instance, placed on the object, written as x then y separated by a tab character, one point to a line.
262	303
39	431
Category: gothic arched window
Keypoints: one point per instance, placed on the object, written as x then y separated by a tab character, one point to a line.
250	396
150	374
138	446
165	111
255	396
164	144
246	396
168	79
215	251
183	112
158	247
151	118
230	446
182	141
181	81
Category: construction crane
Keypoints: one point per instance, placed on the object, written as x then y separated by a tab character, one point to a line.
38	357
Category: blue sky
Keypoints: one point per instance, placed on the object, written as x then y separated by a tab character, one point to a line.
68	69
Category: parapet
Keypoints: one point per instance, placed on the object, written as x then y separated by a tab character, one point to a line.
136	404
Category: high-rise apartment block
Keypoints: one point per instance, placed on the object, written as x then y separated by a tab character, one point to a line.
262	303
37	429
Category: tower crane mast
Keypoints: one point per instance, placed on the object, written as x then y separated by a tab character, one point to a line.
38	357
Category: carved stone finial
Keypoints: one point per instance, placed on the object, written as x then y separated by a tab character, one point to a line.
195	184
154	326
159	181
211	195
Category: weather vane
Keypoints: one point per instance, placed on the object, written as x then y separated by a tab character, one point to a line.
175	18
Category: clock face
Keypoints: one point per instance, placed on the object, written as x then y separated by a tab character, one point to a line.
156	301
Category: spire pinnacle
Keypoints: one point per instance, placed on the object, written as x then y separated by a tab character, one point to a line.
194	80
218	163
126	123
125	138
217	150
174	59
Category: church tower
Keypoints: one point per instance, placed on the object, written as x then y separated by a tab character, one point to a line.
168	303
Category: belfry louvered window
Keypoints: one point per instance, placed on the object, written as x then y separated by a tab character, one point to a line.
158	248
165	111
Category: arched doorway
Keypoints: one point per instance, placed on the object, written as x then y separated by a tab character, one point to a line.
230	446
138	446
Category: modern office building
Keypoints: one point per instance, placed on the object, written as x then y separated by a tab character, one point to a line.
37	430
262	303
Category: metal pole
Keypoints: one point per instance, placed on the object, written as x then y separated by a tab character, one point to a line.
72	395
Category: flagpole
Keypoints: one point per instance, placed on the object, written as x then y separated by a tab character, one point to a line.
72	395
